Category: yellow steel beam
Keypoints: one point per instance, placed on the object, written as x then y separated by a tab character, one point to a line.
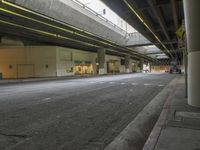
145	24
46	33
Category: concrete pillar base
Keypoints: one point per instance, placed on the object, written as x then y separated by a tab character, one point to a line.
194	78
141	65
101	71
128	70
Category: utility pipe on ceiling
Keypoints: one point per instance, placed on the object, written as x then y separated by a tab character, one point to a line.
160	19
145	24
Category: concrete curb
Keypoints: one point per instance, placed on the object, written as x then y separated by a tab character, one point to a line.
155	133
133	137
3	82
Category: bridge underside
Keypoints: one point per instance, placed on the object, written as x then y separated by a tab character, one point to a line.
157	20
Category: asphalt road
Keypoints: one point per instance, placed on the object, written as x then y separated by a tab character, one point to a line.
75	114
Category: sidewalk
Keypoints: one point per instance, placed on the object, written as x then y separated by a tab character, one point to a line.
178	127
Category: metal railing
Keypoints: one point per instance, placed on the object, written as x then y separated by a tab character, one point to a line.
100	16
133	38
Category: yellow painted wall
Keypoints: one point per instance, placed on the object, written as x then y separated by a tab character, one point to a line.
36	58
160	68
9	59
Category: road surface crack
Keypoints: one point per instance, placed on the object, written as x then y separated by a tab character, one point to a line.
14	135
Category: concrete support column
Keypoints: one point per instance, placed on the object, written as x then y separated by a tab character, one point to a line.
185	63
141	65
127	63
101	60
150	64
192	11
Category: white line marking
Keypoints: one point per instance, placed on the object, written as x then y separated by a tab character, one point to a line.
46	99
160	85
123	83
147	84
134	84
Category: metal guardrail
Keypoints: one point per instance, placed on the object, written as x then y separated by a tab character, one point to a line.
99	15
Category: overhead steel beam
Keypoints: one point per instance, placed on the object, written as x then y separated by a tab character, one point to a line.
139	45
174	51
175	15
157	13
154	53
148	44
169	29
146	22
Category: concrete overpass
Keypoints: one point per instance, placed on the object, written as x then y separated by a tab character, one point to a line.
71	79
90	32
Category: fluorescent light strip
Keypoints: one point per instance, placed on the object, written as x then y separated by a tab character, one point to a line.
145	24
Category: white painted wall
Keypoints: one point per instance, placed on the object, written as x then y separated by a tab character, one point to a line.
64	62
86	56
134	66
46	61
117	64
66	57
